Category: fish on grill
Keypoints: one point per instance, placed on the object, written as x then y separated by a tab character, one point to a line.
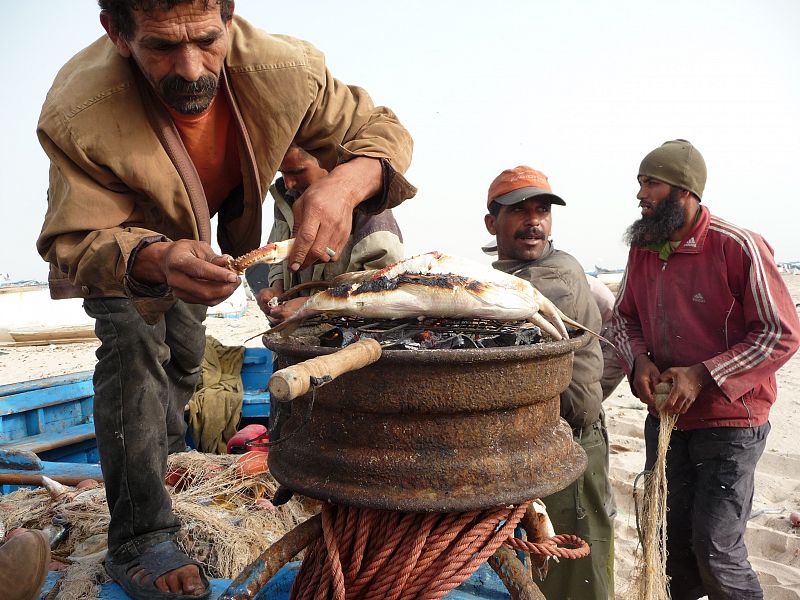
434	285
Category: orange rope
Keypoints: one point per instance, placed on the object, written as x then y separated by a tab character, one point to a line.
550	547
386	555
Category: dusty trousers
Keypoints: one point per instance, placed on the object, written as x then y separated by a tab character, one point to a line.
584	508
145	376
710	486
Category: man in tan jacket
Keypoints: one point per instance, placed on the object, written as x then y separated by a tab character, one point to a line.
182	112
375	241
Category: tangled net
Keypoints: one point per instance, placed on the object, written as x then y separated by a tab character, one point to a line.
651	580
225	524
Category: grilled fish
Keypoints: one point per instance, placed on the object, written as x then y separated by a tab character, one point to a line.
434	285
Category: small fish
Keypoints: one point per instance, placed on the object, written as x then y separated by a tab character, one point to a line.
540	529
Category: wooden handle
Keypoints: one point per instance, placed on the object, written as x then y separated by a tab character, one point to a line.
294	381
661	393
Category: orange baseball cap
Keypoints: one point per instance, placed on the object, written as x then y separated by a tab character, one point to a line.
518	184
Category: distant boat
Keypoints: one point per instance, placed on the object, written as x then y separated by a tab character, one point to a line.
790	268
599	270
29	315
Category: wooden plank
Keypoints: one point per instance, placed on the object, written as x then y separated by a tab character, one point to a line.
66	473
84	332
19	459
50	396
47	342
44	382
52	439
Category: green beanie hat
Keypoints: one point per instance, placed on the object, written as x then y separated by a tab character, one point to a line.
678	163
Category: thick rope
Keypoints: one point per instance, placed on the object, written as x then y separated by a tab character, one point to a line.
552	546
384	555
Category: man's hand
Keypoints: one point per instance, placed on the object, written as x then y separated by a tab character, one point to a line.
194	272
267	294
687	382
280	312
644	379
323	215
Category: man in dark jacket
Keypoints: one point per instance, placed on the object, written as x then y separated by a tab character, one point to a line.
519	216
702	306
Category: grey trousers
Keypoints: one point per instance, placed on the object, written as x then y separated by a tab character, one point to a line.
144	378
710	485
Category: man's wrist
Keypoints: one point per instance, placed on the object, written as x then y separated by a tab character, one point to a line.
701	373
361	178
145	262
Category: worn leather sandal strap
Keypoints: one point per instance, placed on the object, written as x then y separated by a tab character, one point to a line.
155	560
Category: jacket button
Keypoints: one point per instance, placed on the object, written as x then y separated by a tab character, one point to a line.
85	289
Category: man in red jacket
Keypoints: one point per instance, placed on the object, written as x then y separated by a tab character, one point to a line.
702	306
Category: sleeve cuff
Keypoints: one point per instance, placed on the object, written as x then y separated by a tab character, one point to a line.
134	288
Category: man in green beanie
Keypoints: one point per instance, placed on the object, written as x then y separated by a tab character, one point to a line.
703	307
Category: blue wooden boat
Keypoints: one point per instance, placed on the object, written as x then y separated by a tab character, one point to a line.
46	425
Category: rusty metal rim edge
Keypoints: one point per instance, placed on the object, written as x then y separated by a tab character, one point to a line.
382	499
467	355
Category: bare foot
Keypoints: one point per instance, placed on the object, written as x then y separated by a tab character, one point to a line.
184	580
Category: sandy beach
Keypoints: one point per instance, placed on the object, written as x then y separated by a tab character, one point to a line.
773	544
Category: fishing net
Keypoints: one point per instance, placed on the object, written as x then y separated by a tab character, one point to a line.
650	581
226	520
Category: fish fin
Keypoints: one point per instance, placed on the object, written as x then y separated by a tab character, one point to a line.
550	311
569	321
354	277
542	323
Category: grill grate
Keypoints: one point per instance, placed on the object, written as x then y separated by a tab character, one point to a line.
431	333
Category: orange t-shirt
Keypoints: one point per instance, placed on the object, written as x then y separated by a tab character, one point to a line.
211	141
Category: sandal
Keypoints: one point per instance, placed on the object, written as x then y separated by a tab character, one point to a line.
155	560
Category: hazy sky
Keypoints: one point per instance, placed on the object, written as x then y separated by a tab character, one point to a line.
580	90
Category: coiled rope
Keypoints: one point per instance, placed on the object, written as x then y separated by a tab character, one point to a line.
431	553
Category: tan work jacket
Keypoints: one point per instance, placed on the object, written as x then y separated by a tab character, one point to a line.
120	174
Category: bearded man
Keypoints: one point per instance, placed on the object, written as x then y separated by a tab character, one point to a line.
181	112
703	306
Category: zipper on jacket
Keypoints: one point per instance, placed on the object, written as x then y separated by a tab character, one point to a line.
664	346
749	414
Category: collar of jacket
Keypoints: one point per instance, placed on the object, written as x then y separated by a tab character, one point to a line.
694	241
167	133
514	267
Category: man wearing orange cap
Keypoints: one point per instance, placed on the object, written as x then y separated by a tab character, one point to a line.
519	204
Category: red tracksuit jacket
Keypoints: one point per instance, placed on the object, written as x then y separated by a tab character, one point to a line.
718	299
